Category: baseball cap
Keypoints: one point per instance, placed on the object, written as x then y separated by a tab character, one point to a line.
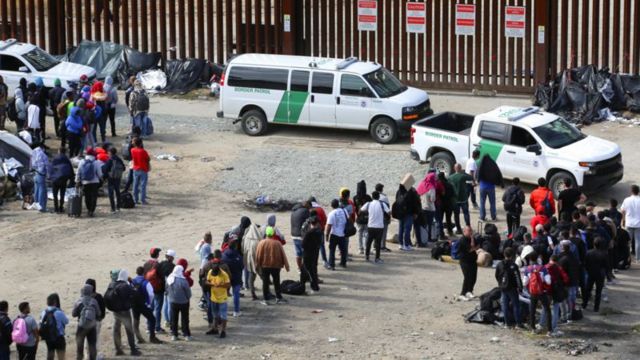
171	253
154	251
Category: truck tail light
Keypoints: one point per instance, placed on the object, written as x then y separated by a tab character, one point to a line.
413	131
222	79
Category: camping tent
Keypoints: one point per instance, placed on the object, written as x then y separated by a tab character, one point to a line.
12	147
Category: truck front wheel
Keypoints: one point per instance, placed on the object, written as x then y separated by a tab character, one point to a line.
556	182
443	162
384	131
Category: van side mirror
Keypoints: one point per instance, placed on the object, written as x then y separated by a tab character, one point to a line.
535	148
23	69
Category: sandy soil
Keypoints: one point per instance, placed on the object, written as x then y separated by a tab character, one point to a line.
400	310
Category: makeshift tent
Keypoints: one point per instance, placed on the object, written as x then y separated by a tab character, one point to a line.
14	152
580	93
110	59
184	75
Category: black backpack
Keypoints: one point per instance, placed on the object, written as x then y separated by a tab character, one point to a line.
399	208
113	300
142	101
49	326
506	281
12	112
511	200
291	287
5	330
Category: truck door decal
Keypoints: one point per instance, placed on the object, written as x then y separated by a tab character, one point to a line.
291	106
491	148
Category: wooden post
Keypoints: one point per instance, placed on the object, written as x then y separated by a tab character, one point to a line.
542	37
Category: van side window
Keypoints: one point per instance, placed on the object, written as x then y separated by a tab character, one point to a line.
257	77
492	131
300	80
351	85
10	63
322	83
521	137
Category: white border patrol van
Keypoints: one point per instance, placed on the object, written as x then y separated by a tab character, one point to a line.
525	142
258	89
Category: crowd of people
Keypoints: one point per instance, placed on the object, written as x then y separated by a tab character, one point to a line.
78	113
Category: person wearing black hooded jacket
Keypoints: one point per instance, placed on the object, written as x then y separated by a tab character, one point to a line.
60	174
362	219
513	199
489	176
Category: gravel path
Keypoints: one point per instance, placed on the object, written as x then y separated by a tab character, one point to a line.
285	173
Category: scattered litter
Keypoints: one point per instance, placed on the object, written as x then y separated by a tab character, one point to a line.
153	80
495	339
265	356
332	339
228	168
317	311
571	347
207	158
265	203
169	157
415	334
34	206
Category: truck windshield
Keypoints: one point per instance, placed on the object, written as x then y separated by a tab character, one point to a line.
40	60
385	83
558	133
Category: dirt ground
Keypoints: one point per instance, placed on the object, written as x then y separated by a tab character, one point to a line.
400	310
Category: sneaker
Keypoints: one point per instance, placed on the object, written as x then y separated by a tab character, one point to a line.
265	303
237	314
223	334
160	330
135	352
408	248
155	340
470	296
401	247
174	338
212	331
281	301
462	298
188	338
327	266
379	261
386	249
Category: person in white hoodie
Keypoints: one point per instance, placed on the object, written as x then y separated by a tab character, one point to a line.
21	109
88	176
33	119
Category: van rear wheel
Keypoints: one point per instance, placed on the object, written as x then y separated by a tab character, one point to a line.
384	131
443	162
254	123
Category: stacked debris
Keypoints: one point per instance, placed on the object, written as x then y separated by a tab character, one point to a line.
580	94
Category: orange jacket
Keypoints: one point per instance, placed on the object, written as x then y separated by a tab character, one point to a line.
270	254
538	195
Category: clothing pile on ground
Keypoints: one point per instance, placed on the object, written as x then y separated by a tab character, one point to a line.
579	94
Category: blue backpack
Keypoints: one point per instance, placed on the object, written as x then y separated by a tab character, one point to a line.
87	171
455	249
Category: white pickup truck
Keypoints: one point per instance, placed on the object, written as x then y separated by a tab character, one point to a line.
525	142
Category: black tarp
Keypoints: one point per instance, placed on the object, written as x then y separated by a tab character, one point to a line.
580	93
185	75
110	59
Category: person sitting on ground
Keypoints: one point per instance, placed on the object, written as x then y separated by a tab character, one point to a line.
508	277
271	258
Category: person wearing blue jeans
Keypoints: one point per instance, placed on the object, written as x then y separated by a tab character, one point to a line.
404	232
158	302
40	163
140	186
40	191
487	190
141	166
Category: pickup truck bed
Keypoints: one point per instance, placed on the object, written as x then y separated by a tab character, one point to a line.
449	121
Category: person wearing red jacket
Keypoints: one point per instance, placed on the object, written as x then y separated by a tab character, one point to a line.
187	272
558	292
539	219
539	194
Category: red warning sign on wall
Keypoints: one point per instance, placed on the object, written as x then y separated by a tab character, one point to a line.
416	17
367	15
514	21
465	19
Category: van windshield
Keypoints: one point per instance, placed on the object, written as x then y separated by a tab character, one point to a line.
385	83
558	133
40	60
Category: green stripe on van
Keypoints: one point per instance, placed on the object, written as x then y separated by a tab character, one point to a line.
290	107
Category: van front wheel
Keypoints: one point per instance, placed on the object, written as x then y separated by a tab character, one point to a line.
254	123
384	131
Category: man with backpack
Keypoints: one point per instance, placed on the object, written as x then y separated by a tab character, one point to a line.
378	213
113	170
538	282
25	333
6	327
88	312
508	277
542	196
571	265
152	274
118	298
299	214
52	324
558	293
88	176
40	164
513	199
138	106
142	305
359	200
